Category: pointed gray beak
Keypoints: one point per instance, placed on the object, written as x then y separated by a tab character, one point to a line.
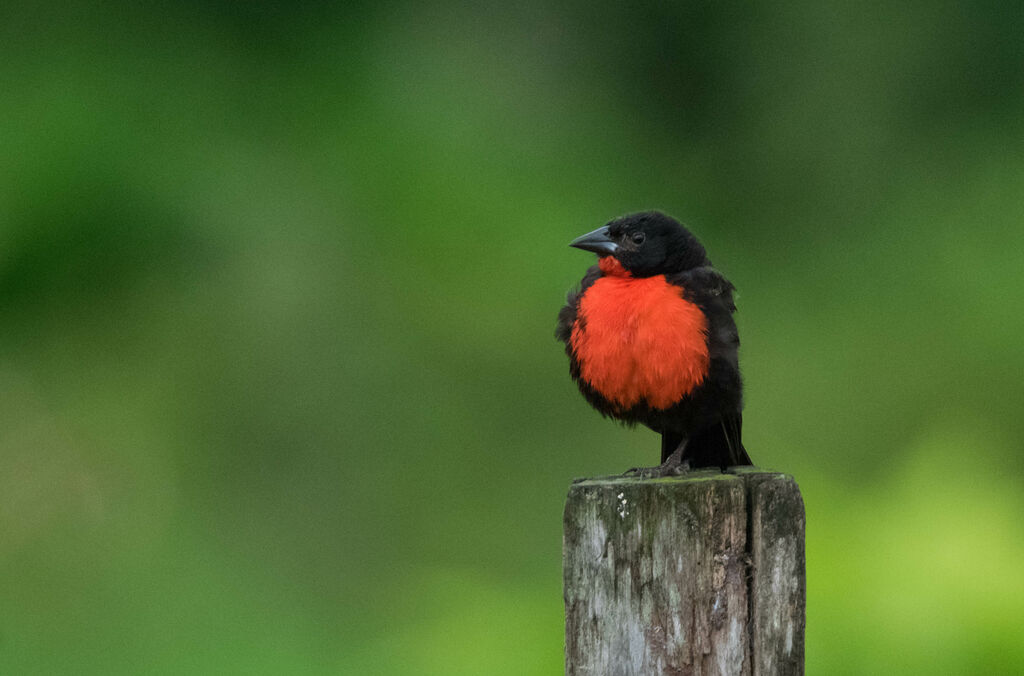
596	241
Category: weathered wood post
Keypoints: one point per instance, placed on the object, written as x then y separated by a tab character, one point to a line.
702	574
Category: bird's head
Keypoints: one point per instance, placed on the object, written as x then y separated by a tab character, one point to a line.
645	244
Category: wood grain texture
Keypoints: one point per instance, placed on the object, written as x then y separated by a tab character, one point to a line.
695	575
778	586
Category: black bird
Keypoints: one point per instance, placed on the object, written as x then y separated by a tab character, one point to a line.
651	339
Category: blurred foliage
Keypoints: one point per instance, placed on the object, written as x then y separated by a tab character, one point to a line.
278	387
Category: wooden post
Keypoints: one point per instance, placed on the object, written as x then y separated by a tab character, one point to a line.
702	574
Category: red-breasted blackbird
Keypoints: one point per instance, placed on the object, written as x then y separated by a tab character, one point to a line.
651	339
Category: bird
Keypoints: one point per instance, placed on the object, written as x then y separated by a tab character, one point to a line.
651	340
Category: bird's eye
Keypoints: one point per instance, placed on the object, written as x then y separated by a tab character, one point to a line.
637	237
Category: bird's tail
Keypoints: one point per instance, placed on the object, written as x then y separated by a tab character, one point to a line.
719	445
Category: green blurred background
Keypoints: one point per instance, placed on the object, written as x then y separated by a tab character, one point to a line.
278	385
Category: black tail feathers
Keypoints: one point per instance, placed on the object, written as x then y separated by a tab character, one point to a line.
719	445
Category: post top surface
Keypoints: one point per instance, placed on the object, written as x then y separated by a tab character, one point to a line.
695	476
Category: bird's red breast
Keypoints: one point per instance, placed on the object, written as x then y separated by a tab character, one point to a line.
638	340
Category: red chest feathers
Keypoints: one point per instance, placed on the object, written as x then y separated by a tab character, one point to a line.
637	340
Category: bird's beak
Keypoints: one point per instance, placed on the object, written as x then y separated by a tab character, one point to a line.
596	241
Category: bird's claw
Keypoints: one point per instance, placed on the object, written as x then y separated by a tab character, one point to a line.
658	471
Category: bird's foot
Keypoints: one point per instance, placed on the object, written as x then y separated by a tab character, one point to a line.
667	468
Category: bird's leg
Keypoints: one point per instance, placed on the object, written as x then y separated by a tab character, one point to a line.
674	465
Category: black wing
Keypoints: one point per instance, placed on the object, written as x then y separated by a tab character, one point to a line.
712	292
721	442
